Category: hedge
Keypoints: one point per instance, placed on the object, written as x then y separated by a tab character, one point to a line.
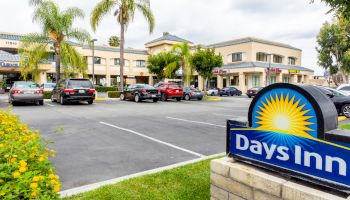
47	95
113	94
106	89
25	169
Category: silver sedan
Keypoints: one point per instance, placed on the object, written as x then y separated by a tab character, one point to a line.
26	92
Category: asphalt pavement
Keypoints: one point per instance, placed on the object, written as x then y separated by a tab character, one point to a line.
110	139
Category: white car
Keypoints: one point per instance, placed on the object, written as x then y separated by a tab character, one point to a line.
345	88
213	92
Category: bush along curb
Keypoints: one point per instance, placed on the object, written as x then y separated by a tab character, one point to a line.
25	169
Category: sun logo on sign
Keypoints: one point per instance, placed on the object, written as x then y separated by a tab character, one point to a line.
285	114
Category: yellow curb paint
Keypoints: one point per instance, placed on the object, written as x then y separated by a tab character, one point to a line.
214	99
342	118
100	99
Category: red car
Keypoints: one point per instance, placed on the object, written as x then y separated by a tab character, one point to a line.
169	91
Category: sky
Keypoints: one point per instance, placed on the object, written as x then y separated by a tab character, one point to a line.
295	22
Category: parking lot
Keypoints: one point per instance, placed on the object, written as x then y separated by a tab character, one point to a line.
110	139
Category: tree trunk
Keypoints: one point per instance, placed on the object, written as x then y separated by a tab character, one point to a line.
205	86
122	63
58	67
183	74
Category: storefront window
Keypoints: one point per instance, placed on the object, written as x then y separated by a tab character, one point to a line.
256	81
286	79
272	79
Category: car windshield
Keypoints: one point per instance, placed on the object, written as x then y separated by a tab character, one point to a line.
49	85
337	92
173	85
79	84
148	87
26	85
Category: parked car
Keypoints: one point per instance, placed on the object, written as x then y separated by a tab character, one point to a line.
73	90
230	91
213	92
169	91
139	92
8	87
252	92
340	99
192	93
345	88
26	92
48	87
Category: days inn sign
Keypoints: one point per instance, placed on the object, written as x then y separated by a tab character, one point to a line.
287	131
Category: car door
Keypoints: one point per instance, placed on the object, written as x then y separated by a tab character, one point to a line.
128	92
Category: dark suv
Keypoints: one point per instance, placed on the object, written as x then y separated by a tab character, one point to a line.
73	90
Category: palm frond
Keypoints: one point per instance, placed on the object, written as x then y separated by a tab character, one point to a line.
146	11
78	34
71	59
102	8
69	15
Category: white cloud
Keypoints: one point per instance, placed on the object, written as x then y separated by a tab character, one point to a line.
295	22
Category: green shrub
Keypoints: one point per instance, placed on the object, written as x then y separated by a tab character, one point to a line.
47	95
113	94
106	89
25	169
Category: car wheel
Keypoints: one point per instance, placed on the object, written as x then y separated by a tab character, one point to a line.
137	98
249	96
346	110
178	98
163	97
41	102
122	97
155	100
90	102
187	97
52	99
14	103
62	101
200	99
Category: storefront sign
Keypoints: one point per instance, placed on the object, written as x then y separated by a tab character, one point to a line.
286	133
273	70
219	72
294	71
6	64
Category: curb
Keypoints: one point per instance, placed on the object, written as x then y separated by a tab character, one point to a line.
214	99
342	118
86	188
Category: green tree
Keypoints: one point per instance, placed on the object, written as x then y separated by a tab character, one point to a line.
334	48
57	29
163	65
340	6
184	53
114	41
124	10
204	61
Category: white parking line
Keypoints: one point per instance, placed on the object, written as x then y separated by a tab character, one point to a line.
222	115
49	104
86	188
155	140
195	122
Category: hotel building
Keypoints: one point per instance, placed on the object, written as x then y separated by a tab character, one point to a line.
248	62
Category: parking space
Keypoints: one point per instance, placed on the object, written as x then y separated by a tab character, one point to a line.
110	139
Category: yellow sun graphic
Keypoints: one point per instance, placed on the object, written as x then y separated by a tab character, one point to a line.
283	114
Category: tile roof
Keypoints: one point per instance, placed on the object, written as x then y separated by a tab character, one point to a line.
250	39
169	37
264	65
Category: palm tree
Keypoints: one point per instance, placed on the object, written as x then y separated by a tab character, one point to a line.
57	30
184	52
124	10
114	41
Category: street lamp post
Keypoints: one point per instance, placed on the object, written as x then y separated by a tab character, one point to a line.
268	73
93	60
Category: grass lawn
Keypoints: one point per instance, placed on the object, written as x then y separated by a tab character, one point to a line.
187	182
345	126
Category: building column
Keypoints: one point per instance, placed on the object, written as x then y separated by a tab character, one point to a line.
108	80
228	81
41	78
294	78
219	82
306	79
200	83
241	84
279	78
263	79
150	80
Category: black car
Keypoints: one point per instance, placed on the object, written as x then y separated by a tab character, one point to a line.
73	90
252	92
139	92
192	93
340	100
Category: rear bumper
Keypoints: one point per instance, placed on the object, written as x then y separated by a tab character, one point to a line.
197	96
79	98
150	96
27	97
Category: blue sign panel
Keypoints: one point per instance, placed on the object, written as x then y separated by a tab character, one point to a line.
287	124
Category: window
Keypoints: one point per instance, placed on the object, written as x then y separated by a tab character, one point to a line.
261	57
140	63
236	57
286	79
277	59
256	81
291	61
272	79
116	61
97	60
